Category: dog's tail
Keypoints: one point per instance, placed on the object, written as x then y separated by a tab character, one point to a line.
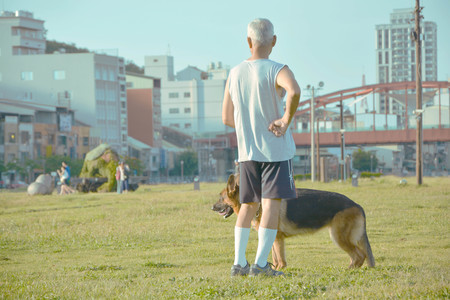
365	245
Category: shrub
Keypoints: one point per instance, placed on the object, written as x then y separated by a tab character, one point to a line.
369	174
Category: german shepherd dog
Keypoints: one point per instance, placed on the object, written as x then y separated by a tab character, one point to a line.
309	212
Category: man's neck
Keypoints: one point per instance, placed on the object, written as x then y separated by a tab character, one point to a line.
260	53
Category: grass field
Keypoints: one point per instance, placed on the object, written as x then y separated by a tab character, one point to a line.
164	242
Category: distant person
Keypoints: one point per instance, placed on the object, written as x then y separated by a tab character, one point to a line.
236	167
253	105
66	166
63	177
127	171
120	177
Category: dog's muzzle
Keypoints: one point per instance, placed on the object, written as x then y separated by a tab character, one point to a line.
223	209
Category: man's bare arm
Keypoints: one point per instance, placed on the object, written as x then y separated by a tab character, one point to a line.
227	108
286	80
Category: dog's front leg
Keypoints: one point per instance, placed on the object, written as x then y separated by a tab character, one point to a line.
278	252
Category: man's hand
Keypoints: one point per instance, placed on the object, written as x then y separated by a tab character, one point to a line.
278	127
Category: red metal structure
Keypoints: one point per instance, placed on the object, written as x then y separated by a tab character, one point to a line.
364	137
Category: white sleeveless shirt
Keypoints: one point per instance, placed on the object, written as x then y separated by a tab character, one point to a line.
252	86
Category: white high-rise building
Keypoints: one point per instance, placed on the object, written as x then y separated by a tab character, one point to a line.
91	84
396	53
191	101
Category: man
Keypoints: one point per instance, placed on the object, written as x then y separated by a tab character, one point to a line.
253	105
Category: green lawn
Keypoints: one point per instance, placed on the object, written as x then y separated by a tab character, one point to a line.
164	241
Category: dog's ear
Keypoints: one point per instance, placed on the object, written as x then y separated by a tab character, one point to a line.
232	186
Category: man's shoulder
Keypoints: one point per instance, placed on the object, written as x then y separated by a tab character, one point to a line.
239	66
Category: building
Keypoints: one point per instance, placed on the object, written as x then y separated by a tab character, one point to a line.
144	121
396	57
90	84
191	103
30	131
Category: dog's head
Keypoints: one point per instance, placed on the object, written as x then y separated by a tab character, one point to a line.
229	198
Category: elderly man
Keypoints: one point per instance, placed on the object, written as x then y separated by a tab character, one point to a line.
253	105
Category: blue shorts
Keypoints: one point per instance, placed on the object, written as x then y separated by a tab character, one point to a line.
271	180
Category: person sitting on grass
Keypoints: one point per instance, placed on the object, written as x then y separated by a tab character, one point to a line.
65	188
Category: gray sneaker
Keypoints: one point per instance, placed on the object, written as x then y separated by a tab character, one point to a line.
237	270
256	270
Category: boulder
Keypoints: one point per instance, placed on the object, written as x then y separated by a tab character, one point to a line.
100	162
43	185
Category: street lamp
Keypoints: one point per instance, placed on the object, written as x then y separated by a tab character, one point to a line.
313	163
371	158
342	154
182	171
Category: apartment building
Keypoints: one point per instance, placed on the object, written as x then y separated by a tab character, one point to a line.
31	131
144	121
191	101
90	84
396	57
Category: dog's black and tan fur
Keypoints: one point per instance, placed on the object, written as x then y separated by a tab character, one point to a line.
309	212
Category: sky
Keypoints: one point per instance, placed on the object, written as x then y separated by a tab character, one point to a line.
323	40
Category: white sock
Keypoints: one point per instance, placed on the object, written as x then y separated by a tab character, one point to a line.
241	236
266	237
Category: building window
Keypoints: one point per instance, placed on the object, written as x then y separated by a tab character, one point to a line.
24	137
37	135
59	74
175	125
85	141
187	125
98	73
187	110
174	110
187	95
173	95
379	39
12	138
62	140
27	75
386	58
386	38
380	58
129	84
51	139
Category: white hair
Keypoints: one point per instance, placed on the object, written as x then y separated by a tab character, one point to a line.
260	31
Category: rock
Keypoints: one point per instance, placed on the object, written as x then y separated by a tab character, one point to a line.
42	186
100	162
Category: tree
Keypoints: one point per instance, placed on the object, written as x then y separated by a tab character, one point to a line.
190	164
53	163
364	160
132	67
135	164
52	46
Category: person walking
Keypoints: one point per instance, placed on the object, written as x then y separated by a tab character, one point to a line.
120	177
126	172
253	105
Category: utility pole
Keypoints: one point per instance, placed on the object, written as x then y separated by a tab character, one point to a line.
313	163
419	111
318	151
341	163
